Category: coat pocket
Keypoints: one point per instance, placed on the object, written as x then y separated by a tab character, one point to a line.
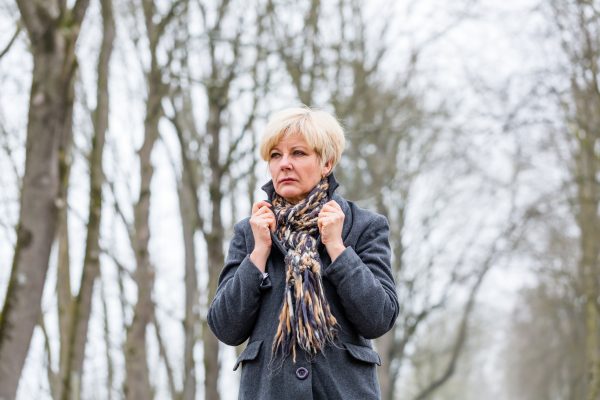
250	353
363	353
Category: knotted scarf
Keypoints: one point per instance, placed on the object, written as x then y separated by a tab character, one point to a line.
305	319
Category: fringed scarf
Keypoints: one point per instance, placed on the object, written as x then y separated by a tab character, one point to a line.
305	319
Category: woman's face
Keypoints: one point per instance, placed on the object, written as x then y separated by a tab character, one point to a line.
295	168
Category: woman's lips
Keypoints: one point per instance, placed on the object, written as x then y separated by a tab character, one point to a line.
286	180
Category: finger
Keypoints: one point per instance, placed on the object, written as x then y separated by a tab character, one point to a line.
268	219
272	225
263	210
322	222
334	204
262	203
328	209
332	207
328	214
268	224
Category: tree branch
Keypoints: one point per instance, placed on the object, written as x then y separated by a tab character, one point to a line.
12	40
163	354
29	16
78	11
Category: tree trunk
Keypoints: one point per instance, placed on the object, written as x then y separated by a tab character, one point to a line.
385	345
49	132
215	238
588	221
137	382
64	298
82	306
187	204
211	343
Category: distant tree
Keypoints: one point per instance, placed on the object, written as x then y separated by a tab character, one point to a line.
578	23
137	383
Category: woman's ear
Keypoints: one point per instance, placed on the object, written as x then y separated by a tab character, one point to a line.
326	168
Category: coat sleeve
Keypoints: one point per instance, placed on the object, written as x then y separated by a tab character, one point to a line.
363	278
233	311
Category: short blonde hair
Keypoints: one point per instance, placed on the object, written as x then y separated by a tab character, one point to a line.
320	129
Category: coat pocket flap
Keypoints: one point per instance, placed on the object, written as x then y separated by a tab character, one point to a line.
249	353
363	353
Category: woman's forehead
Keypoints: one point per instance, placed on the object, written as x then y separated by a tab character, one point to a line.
291	140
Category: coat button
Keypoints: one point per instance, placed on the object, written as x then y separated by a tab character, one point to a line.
301	373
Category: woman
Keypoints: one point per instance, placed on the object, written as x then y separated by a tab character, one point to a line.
307	279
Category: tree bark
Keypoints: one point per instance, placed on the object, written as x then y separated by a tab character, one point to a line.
49	132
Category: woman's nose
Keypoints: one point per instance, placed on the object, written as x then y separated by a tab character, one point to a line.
285	162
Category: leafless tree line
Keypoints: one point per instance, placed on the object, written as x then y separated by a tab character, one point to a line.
212	73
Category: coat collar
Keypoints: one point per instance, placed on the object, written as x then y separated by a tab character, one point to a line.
269	188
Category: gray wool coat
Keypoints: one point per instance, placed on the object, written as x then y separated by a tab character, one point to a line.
361	293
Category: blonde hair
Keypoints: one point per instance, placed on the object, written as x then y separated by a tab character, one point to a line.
320	129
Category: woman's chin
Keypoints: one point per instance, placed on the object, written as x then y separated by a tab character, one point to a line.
292	196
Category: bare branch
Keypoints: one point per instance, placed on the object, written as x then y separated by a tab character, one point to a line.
78	11
52	376
128	225
109	360
461	336
233	148
221	12
29	16
189	171
12	40
163	354
173	12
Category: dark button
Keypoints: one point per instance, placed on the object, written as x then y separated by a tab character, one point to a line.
301	373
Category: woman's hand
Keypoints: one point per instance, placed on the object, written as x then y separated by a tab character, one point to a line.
330	223
262	223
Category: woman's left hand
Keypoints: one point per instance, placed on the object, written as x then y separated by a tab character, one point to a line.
330	222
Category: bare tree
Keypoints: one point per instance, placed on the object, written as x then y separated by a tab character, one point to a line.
49	134
210	154
541	366
137	383
76	321
191	331
578	23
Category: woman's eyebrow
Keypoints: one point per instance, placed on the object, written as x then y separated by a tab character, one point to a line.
292	148
299	146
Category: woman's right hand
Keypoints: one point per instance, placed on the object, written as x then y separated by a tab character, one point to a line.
262	223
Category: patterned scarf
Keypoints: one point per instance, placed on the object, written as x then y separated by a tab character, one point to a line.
305	320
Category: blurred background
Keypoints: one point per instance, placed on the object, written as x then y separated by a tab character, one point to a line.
128	149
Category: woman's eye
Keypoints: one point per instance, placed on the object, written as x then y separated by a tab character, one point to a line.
299	153
274	155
